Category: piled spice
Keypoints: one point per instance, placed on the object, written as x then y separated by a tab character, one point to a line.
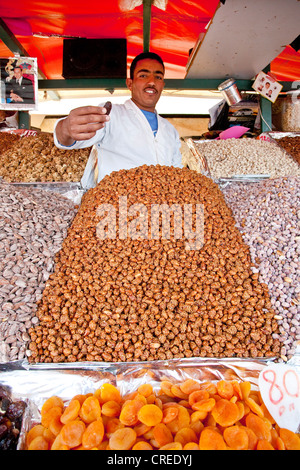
142	299
37	159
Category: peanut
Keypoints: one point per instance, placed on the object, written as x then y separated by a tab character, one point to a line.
144	299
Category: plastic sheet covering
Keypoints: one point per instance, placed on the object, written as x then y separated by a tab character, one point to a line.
72	191
35	386
193	158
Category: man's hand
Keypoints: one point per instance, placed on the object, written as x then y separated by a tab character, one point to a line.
15	97
81	124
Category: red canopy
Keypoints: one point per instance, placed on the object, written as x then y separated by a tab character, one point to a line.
40	26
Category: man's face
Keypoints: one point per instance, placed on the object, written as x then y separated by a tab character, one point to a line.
147	84
17	73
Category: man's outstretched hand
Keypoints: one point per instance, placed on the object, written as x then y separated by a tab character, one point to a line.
81	124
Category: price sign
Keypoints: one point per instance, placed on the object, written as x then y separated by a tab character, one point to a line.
279	385
265	137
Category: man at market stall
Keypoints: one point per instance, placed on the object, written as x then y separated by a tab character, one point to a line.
133	134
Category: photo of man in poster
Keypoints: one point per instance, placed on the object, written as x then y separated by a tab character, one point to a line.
19	89
18	83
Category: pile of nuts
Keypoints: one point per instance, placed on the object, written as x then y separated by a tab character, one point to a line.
231	157
7	140
267	214
291	145
142	299
37	159
33	224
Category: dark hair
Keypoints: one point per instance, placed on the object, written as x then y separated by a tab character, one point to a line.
142	56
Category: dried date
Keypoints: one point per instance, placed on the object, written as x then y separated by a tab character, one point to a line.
108	107
11	415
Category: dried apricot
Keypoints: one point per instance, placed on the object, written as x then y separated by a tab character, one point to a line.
225	389
71	411
279	444
49	436
290	439
111	408
150	415
112	425
122	439
146	390
254	407
49	415
162	434
109	392
241	408
172	446
35	431
165	387
72	432
264	445
80	398
196	426
260	426
185	435
211	439
237	389
56	425
169	413
93	435
140	399
189	386
191	446
236	437
204	405
129	412
90	410
38	443
198	416
198	395
225	412
177	392
245	389
142	445
51	403
210	387
141	429
252	438
181	421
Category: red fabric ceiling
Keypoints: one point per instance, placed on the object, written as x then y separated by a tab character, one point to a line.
40	27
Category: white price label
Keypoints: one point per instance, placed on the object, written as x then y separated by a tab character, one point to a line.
279	385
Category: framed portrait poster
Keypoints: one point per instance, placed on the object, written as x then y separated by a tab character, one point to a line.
19	84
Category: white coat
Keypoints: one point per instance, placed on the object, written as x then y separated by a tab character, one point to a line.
127	141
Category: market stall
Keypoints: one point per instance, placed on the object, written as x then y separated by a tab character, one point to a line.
159	308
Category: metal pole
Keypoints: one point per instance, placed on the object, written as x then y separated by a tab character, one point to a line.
147	24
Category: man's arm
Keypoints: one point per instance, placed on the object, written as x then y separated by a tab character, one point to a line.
81	124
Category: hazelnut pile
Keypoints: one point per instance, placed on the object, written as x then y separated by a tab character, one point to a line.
36	159
143	299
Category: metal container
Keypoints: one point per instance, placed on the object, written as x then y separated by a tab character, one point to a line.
230	91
